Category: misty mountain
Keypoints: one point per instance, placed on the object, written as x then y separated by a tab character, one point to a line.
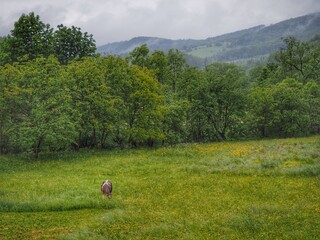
253	43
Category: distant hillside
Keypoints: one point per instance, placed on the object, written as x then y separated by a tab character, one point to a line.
247	44
124	47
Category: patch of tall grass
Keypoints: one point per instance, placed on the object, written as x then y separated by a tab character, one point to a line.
238	190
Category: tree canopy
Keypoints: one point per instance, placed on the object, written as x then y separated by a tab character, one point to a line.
31	38
70	43
62	96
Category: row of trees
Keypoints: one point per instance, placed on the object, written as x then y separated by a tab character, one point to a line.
155	98
96	102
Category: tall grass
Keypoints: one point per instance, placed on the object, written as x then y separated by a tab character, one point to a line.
242	190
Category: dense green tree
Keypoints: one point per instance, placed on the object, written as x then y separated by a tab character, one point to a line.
30	37
4	51
158	63
192	89
45	120
144	107
168	69
312	95
176	66
260	111
313	65
263	76
117	103
224	99
174	122
293	58
290	116
71	43
10	104
281	109
93	101
139	103
139	56
117	77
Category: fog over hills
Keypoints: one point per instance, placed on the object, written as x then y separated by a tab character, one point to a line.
247	44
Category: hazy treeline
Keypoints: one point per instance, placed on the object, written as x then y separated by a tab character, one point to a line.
60	101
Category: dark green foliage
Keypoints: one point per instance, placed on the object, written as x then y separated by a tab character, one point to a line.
290	117
71	43
176	67
279	110
158	63
92	100
4	51
139	56
10	104
312	98
30	37
224	100
284	100
117	104
293	59
44	118
76	100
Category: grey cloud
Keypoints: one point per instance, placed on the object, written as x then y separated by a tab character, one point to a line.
115	20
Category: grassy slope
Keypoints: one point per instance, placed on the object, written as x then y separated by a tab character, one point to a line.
246	190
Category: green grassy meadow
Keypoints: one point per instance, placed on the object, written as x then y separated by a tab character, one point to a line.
268	189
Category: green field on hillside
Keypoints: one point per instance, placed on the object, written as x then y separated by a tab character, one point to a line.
266	189
208	51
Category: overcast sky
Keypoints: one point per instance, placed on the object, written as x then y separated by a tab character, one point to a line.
118	20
